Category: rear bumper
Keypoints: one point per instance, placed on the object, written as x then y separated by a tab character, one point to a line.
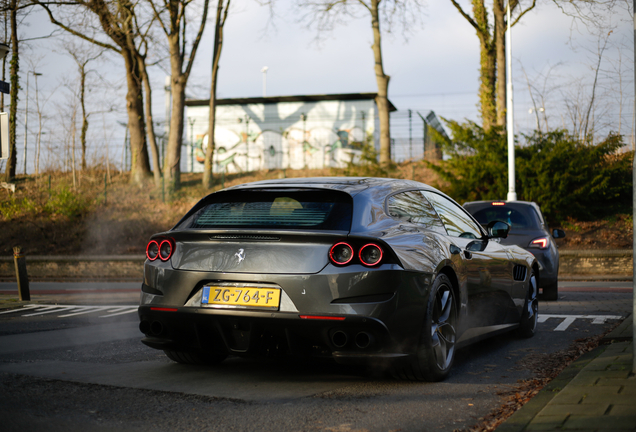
355	339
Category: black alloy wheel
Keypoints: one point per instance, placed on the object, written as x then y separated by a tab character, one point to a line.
443	319
530	314
436	351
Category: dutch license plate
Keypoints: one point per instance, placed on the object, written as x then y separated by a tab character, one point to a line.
222	296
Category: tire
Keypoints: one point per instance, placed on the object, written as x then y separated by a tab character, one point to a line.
195	358
436	351
551	292
530	314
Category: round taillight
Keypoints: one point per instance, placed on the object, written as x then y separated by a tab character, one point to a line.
165	250
152	250
370	254
341	253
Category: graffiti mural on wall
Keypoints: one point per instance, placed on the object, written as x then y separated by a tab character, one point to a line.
294	148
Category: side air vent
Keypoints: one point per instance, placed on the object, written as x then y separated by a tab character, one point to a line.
519	273
243	237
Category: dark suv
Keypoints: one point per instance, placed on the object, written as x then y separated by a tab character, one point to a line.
530	231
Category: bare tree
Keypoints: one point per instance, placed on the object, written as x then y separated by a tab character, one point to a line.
492	48
116	26
221	15
172	16
152	139
82	57
325	14
492	45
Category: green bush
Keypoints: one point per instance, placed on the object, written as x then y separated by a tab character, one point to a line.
566	177
65	202
570	178
13	208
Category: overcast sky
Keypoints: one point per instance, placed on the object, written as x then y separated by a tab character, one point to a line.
434	68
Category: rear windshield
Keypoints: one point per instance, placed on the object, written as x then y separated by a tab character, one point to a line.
517	216
274	209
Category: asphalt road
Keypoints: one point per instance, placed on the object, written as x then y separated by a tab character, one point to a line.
79	365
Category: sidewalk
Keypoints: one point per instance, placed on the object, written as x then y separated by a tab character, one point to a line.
595	393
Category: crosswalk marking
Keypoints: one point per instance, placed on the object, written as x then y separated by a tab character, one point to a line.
66	311
71	310
569	319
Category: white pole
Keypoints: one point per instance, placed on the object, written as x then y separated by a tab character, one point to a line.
26	118
512	195
264	70
634	221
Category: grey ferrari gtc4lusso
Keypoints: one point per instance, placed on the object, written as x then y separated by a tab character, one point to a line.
374	271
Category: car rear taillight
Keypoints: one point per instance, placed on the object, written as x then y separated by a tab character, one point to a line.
370	254
341	253
165	250
161	249
539	243
152	250
497	203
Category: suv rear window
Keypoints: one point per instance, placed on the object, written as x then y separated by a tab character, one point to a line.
273	209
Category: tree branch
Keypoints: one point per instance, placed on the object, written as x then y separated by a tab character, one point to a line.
465	15
195	44
534	3
76	33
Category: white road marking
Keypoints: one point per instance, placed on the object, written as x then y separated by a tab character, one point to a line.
18	309
111	311
72	310
569	319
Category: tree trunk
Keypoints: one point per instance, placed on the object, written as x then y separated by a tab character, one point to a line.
488	64
156	164
140	165
14	67
382	80
175	138
84	117
500	47
216	57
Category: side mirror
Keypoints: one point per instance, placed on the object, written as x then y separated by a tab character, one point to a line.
498	229
557	233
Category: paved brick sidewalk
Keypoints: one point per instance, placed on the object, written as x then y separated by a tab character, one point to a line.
595	393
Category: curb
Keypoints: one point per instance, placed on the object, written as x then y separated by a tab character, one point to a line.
518	421
522	417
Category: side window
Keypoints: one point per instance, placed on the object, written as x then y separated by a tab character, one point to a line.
456	221
412	207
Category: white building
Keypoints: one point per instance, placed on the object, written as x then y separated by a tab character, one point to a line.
279	132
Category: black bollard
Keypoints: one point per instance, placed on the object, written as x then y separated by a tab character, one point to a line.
21	274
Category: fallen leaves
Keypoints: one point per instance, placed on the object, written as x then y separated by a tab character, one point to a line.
546	367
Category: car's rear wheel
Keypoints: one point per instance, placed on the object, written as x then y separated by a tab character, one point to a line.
195	357
551	292
530	314
436	351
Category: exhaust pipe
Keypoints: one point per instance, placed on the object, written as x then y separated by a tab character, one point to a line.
156	328
363	340
339	338
144	327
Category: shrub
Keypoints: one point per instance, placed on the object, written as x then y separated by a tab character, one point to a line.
566	177
65	202
570	178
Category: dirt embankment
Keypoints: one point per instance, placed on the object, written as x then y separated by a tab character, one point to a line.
104	214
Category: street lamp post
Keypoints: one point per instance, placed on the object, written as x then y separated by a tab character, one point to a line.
512	194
